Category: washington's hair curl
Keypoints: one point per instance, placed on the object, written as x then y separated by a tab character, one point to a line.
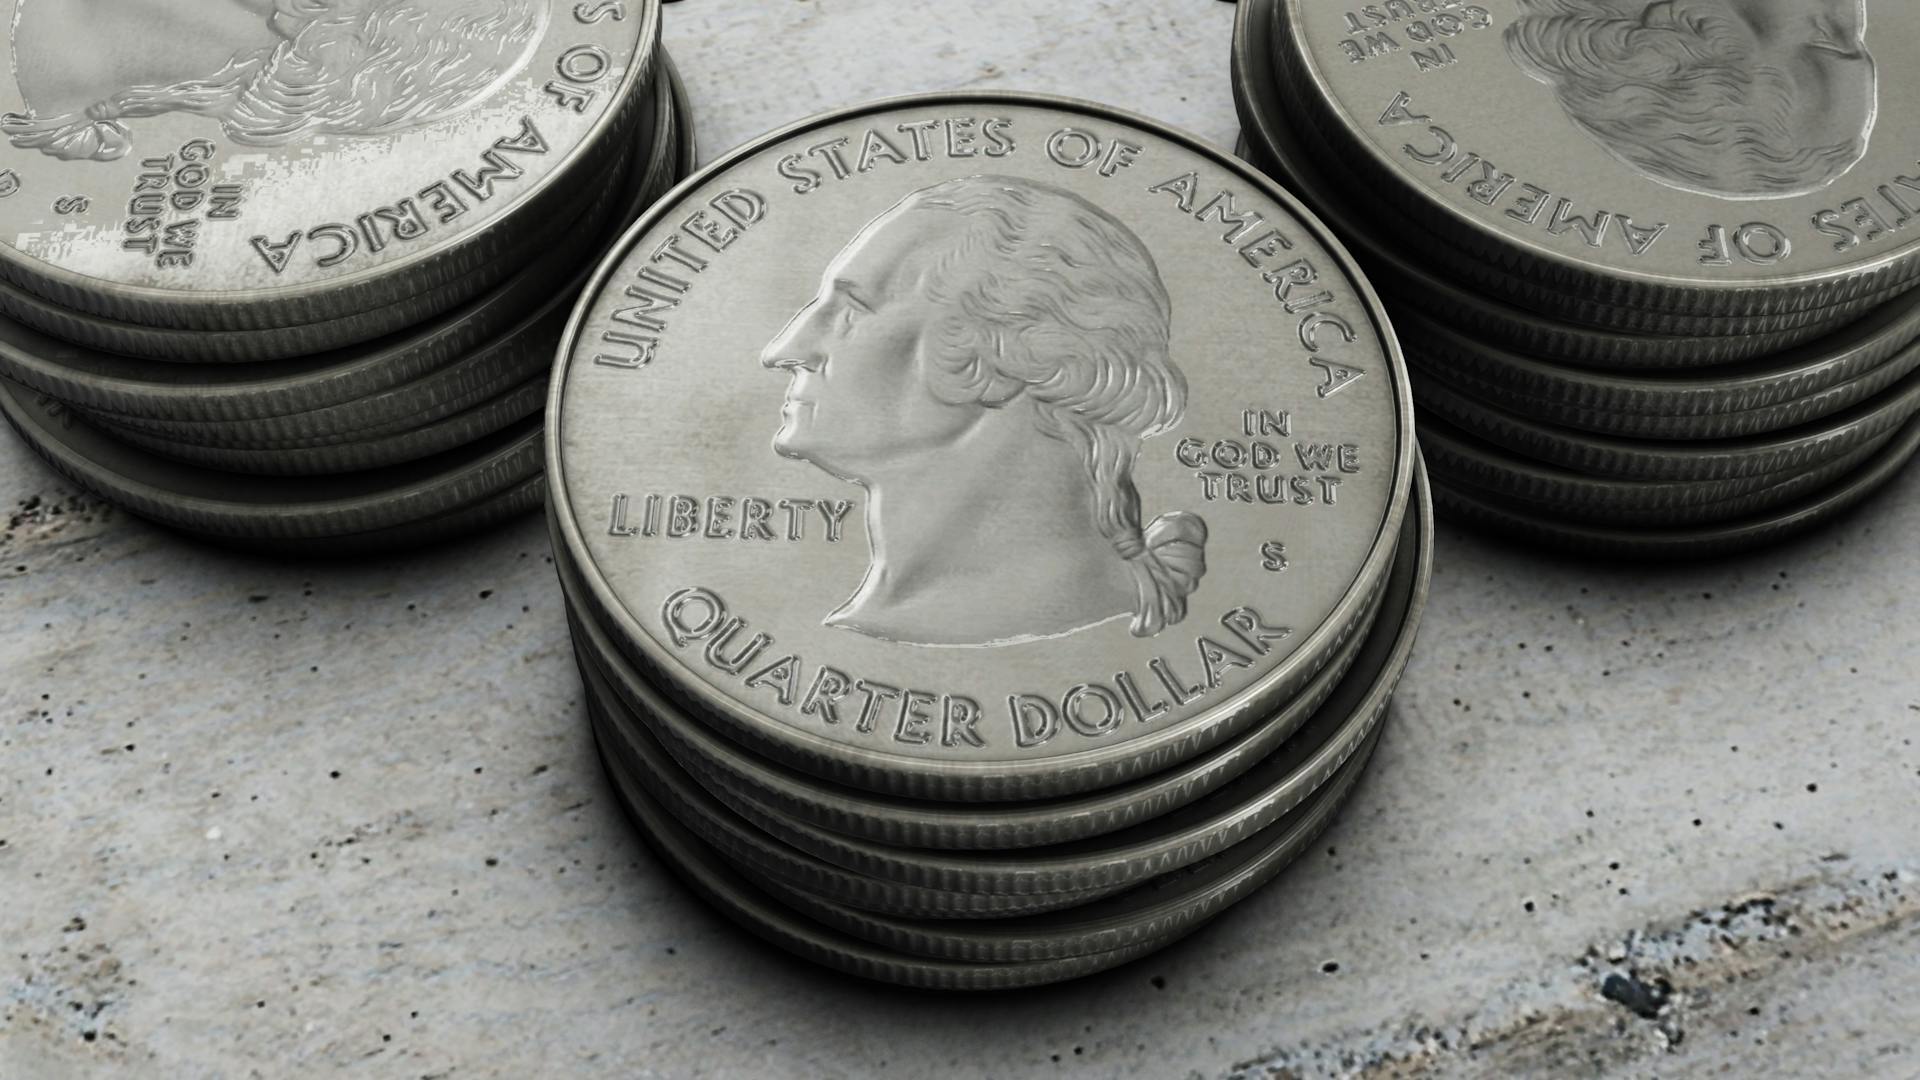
1678	92
351	67
1056	301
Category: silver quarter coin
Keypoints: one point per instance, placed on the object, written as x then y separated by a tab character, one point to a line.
215	393
212	503
246	167
1400	243
1713	159
1009	448
1704	541
562	245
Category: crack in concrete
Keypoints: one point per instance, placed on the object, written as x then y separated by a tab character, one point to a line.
1630	1001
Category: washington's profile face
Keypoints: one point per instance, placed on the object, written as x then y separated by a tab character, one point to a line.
1740	98
859	393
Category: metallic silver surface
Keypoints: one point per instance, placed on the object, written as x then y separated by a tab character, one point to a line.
718	763
218	504
1698	159
1489	294
1466	463
754	910
418	438
1801	447
1704	541
1270	789
1155	913
1777	391
623	738
999	485
555	248
236	168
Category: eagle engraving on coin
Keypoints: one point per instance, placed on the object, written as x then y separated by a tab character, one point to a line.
985	358
1744	99
271	72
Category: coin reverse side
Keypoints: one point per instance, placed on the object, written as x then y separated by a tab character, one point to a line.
980	446
1715	157
248	163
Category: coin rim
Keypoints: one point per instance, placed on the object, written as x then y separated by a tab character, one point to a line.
270	306
979	780
1663	291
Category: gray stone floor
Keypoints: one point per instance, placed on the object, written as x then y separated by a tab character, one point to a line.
260	820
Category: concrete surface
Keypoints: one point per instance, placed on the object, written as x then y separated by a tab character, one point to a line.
261	820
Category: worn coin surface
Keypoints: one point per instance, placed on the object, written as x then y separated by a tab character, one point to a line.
980	447
1713	158
257	165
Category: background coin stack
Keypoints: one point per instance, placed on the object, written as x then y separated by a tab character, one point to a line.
970	895
1568	408
917	861
395	425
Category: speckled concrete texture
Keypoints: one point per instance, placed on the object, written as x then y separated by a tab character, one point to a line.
265	820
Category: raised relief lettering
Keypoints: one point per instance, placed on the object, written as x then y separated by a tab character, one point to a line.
1480	181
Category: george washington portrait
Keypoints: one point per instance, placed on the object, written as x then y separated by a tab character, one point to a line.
271	72
985	359
1740	98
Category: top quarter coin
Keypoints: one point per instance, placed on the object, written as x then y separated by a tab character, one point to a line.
1720	157
254	164
1412	268
979	446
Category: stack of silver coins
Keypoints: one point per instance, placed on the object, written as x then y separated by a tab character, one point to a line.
1652	263
294	281
979	576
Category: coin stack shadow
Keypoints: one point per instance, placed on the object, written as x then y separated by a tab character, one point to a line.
1548	413
398	426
